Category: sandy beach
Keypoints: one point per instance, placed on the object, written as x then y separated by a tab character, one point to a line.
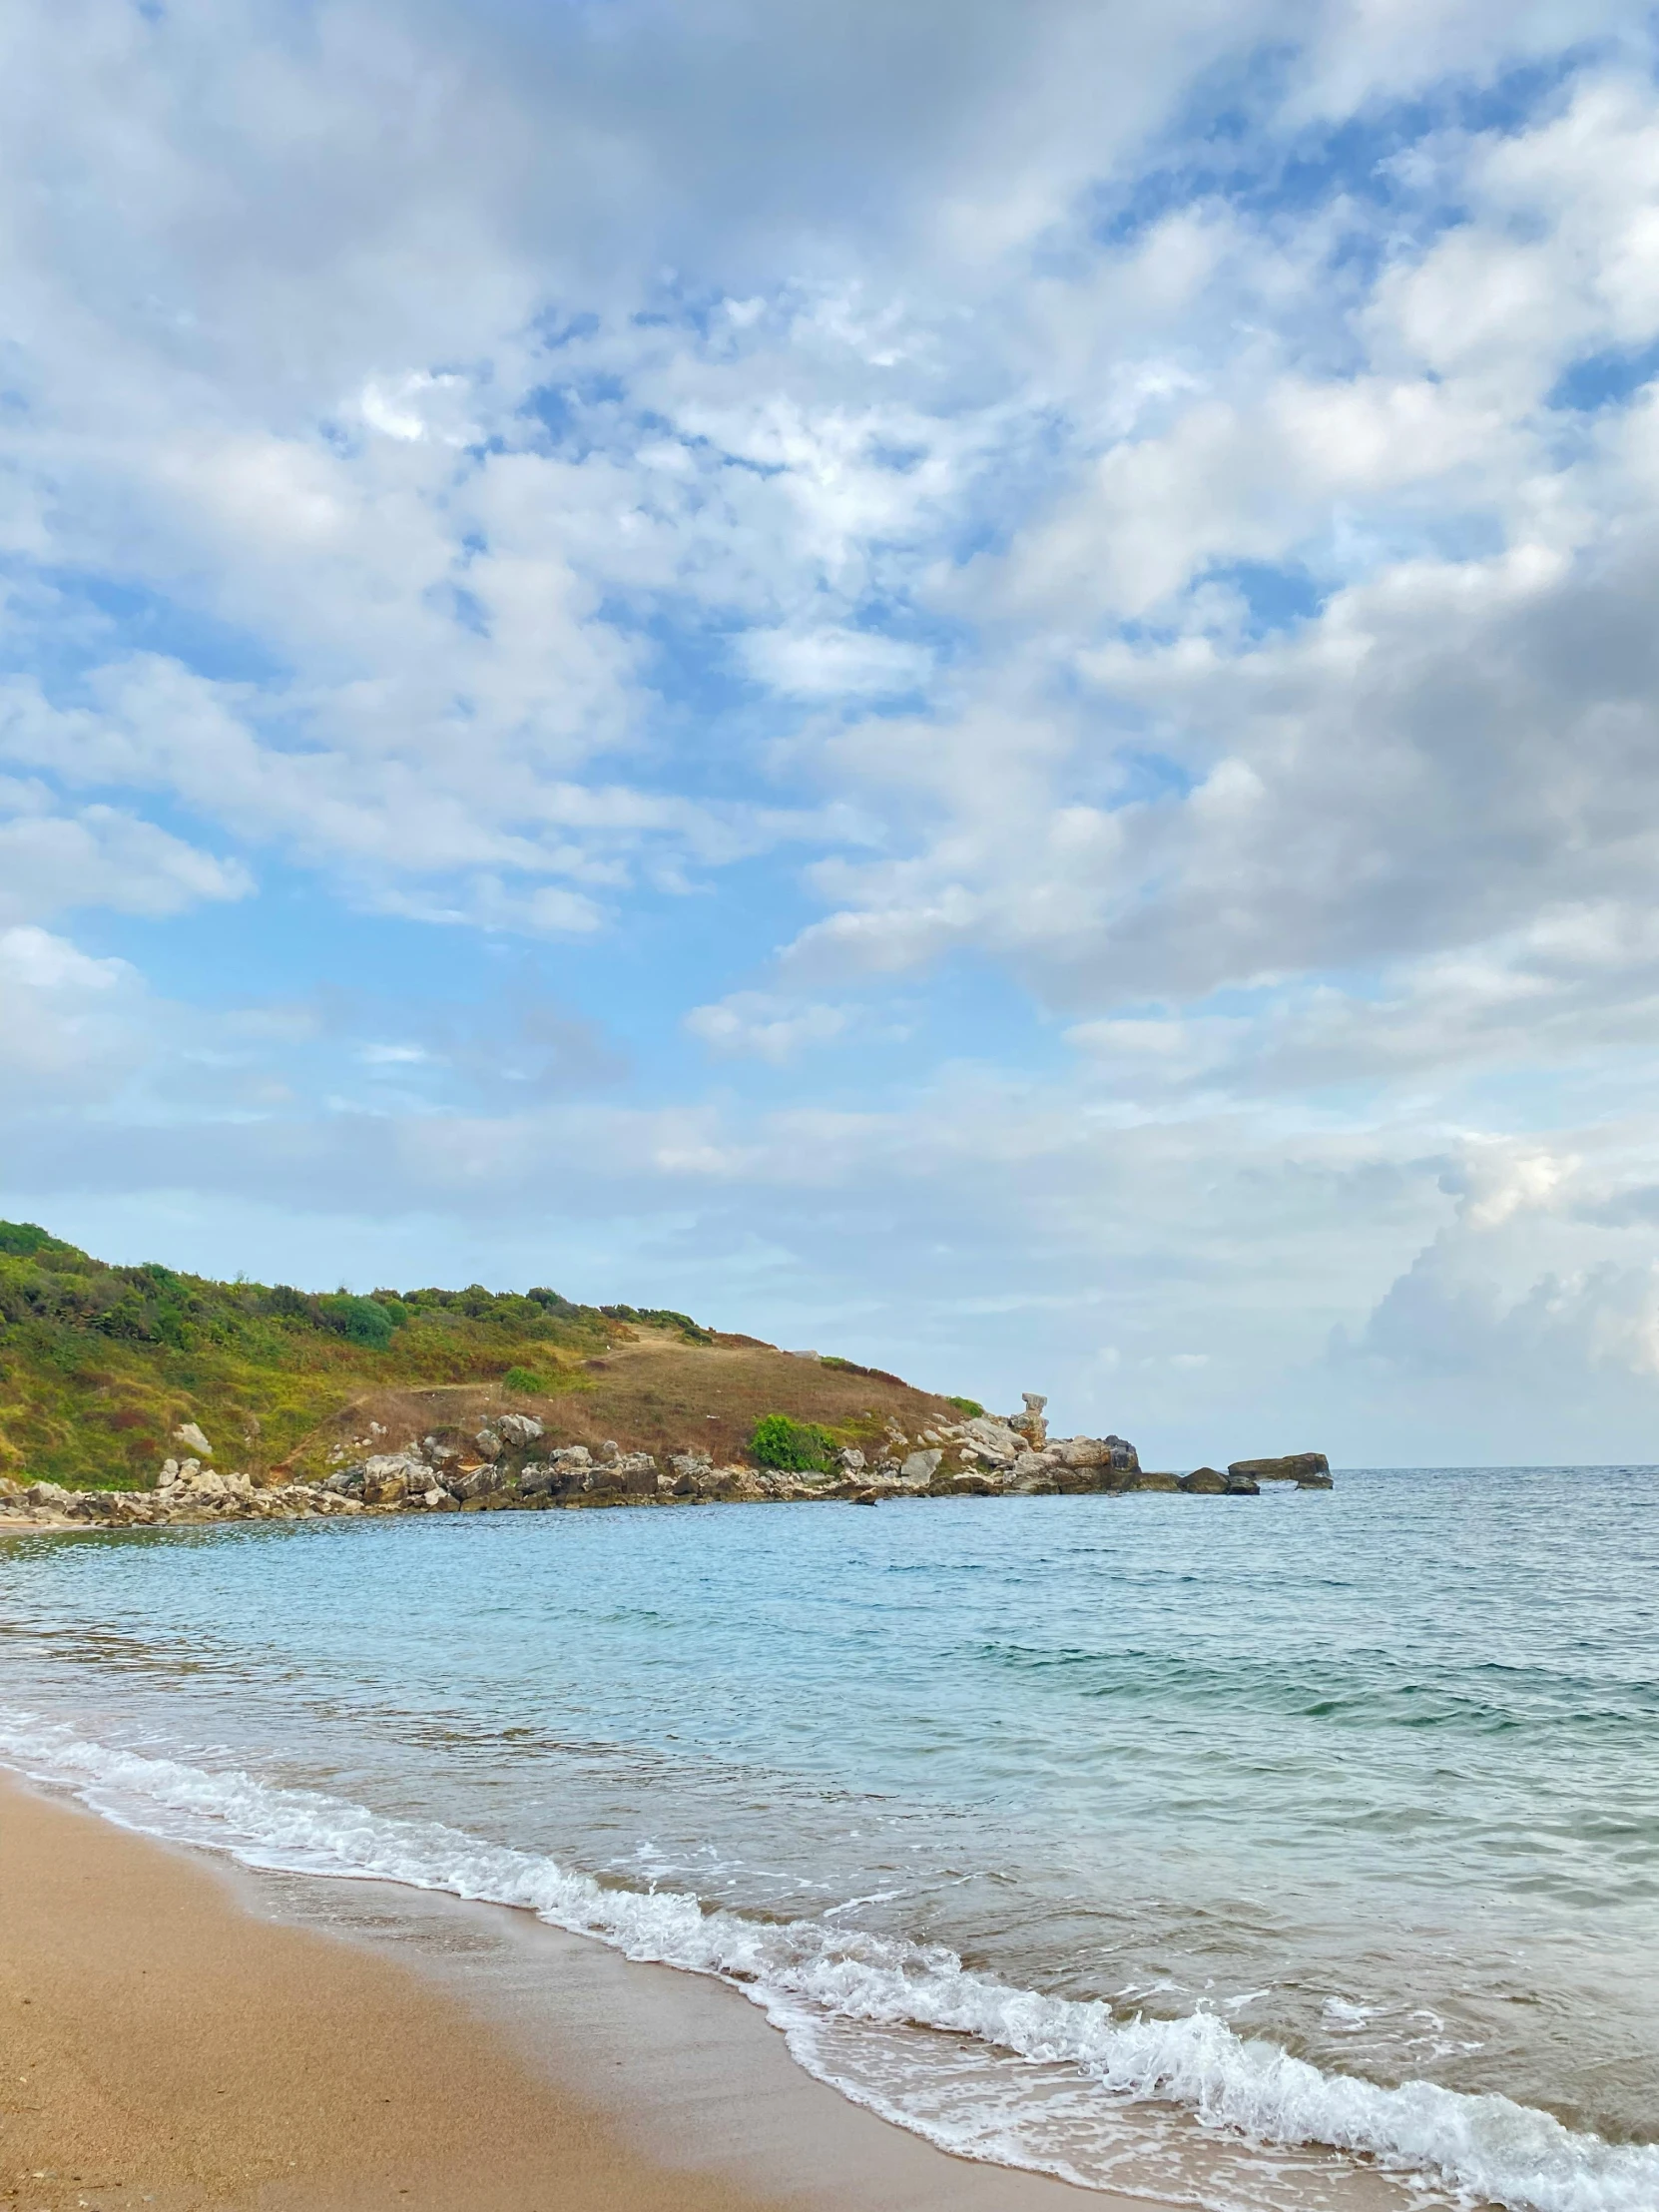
168	2044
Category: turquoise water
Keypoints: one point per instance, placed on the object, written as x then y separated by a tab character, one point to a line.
1159	1842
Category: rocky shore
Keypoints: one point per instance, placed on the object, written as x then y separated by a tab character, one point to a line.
510	1462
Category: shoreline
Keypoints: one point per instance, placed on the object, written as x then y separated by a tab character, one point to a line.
207	2039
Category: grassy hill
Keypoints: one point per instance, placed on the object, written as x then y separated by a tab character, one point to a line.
99	1364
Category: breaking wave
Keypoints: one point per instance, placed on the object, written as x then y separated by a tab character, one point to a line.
815	1979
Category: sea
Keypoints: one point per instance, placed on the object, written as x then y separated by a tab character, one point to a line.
1200	1849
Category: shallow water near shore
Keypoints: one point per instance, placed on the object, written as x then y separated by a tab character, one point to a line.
1159	1843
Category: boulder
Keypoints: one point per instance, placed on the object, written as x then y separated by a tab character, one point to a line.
391	1475
519	1430
1310	1470
993	1439
488	1443
1141	1480
920	1466
1243	1486
1209	1481
188	1434
633	1472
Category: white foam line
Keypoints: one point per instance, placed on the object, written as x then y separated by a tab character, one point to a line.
1482	2147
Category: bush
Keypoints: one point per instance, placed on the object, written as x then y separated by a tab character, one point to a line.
968	1406
521	1381
359	1320
796	1446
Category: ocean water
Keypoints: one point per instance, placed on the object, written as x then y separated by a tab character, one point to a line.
1203	1849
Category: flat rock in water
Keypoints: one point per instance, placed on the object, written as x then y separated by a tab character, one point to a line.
1310	1469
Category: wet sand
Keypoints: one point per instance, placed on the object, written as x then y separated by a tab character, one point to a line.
170	2039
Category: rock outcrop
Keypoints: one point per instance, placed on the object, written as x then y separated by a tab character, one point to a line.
1211	1483
1308	1470
507	1461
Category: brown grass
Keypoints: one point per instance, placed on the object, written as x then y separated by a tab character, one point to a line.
652	1392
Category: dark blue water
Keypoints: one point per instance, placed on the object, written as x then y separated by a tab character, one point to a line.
1157	1840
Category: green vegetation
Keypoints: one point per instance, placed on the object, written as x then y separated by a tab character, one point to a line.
852	1366
967	1405
523	1382
99	1364
661	1317
798	1445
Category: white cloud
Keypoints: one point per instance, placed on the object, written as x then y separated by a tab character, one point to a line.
73	1025
756	1025
52	861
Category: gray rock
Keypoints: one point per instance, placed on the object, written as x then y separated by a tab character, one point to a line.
920	1466
489	1443
995	1441
188	1434
637	1471
391	1475
519	1430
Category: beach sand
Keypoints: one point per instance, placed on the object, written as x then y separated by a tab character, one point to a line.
170	2039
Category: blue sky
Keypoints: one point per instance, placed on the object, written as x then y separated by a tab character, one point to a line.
967	684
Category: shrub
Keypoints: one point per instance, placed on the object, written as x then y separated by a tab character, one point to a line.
968	1406
796	1446
359	1320
521	1381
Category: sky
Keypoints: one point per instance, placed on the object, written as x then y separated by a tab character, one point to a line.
966	684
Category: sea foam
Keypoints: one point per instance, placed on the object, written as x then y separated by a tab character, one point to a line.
808	1974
